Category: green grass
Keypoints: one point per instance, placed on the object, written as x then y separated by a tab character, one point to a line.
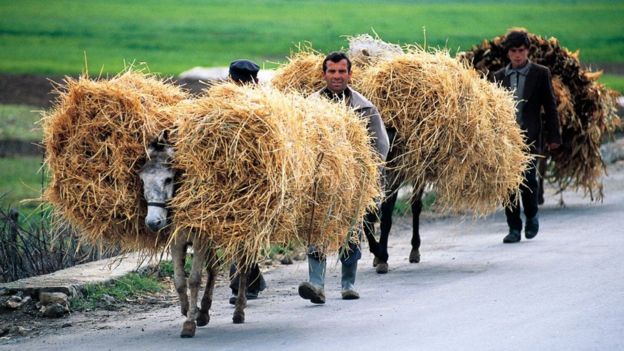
613	81
19	122
128	286
46	37
20	179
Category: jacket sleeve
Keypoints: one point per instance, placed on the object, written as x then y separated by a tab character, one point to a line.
378	132
551	121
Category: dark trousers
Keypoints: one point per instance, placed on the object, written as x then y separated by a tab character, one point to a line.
528	194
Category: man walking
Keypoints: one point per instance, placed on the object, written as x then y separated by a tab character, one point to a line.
532	87
337	74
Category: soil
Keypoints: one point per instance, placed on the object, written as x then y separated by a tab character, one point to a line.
28	322
37	90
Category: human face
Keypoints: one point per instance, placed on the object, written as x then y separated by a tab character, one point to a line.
337	75
518	56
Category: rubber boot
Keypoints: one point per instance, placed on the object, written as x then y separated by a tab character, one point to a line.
347	281
314	289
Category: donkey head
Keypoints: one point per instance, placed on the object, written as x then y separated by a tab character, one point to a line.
158	181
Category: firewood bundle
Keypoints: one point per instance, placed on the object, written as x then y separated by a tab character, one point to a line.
587	109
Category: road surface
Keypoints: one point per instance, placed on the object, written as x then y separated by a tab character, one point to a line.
563	290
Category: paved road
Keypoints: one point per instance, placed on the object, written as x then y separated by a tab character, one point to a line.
564	290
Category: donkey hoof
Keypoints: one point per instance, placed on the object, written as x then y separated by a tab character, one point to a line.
238	318
414	256
382	268
188	329
202	319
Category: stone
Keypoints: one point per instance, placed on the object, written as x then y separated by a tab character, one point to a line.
299	256
108	299
46	298
287	259
55	310
16	301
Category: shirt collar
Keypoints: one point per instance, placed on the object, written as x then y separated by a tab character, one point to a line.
524	70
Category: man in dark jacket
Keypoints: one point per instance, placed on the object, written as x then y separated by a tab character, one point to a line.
245	72
337	74
532	87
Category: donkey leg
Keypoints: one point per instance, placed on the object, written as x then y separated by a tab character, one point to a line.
387	207
204	317
194	282
241	299
369	232
178	256
414	256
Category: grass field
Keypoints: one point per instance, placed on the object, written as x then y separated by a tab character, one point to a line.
39	36
19	179
20	122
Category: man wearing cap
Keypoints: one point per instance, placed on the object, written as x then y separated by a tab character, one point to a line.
337	74
532	88
245	72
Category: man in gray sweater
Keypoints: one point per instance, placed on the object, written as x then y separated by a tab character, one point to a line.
337	74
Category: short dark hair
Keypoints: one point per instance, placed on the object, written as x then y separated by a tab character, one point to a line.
516	38
336	57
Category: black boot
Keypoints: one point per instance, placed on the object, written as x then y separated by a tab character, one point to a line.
531	228
512	237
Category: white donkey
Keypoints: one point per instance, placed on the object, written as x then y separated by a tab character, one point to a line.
158	188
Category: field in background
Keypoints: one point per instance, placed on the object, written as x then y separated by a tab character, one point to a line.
45	37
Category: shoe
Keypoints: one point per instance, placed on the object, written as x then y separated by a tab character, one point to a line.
350	295
512	237
531	228
381	268
312	293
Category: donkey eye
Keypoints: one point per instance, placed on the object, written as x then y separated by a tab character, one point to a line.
168	180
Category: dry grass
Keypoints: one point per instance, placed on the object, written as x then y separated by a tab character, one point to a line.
255	163
95	138
455	130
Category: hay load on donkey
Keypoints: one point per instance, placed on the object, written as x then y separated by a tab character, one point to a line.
454	129
260	166
450	128
586	108
96	138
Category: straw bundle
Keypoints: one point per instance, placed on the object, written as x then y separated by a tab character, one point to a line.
587	109
303	73
346	178
455	130
95	139
248	157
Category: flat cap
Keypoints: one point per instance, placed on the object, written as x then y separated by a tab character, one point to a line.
244	71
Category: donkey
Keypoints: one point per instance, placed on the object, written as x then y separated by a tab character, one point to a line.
158	179
393	181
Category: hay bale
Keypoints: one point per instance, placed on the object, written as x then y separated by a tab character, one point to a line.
303	73
96	137
346	178
248	160
587	109
455	130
